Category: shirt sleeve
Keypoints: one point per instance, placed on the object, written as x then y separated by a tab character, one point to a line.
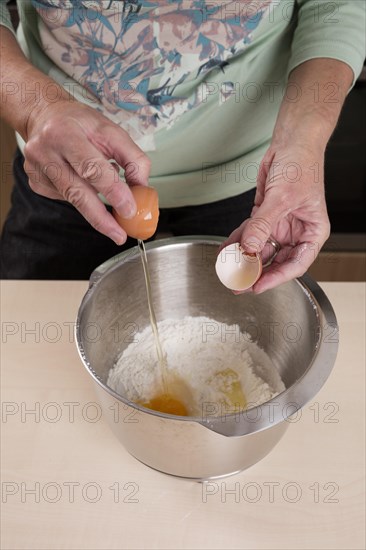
334	29
5	18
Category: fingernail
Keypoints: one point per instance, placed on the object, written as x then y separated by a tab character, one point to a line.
127	210
253	244
119	237
246	291
260	291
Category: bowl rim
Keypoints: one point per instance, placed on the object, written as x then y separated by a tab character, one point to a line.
278	408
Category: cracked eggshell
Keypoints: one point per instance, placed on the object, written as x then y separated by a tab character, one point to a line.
143	225
236	269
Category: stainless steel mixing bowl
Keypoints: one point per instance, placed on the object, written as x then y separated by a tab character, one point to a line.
294	323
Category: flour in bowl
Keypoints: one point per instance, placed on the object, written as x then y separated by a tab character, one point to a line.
217	363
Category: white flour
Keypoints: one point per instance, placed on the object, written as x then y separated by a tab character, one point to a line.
196	349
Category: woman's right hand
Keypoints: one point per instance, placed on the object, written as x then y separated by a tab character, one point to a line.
66	157
68	144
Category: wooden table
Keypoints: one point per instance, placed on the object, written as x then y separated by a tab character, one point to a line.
68	483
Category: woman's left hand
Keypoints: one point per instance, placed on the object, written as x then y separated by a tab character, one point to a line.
289	206
290	202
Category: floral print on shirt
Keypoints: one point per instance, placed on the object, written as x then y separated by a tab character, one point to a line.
146	62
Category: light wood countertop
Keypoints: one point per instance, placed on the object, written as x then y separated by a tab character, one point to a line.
67	483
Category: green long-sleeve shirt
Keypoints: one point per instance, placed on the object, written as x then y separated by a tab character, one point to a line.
196	84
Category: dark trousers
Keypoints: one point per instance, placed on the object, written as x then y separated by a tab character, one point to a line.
48	239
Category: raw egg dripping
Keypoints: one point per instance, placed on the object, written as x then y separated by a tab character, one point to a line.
143	226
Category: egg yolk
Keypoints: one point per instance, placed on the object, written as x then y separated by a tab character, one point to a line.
166	403
230	385
227	382
143	225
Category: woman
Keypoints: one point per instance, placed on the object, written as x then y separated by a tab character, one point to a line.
202	100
